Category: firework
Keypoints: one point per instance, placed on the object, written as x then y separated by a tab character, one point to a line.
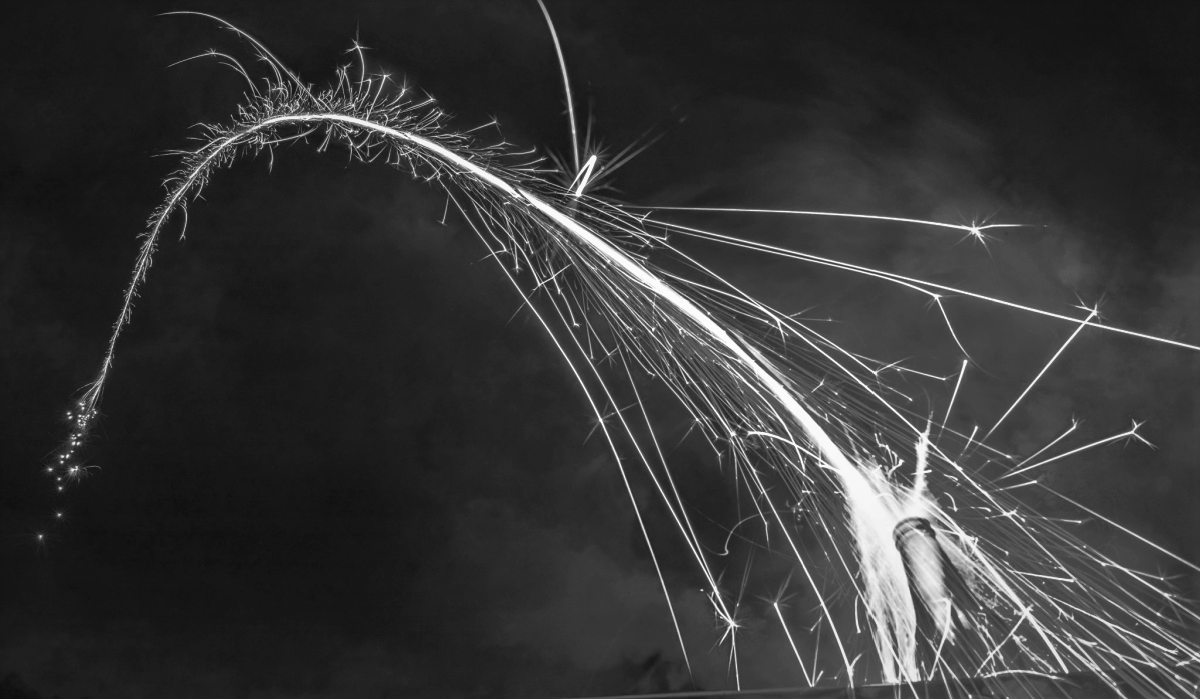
956	579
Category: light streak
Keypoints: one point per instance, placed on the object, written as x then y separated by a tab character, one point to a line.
974	230
1131	433
792	643
562	64
1083	324
584	177
1052	443
790	411
950	407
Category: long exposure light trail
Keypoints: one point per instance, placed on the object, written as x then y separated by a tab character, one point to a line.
974	230
984	588
1029	387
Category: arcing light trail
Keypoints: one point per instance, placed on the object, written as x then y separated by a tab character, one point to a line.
974	230
957	580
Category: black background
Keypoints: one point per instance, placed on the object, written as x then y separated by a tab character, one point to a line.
334	462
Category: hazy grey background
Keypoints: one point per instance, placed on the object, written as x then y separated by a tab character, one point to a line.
335	462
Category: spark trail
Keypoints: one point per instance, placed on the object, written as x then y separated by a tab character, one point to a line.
958	580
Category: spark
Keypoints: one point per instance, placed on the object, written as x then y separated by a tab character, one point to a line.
562	64
584	177
950	407
792	644
1092	313
1052	443
1132	433
970	439
974	230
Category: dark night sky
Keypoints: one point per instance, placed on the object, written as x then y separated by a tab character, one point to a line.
333	460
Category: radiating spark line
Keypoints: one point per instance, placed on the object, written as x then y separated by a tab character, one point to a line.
1131	433
227	60
970	439
562	64
584	177
962	371
1092	313
1023	484
792	642
1051	578
969	228
1052	443
937	299
274	63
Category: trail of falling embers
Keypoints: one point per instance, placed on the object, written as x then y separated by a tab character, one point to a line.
957	580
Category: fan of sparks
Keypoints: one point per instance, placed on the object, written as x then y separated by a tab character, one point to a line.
942	573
